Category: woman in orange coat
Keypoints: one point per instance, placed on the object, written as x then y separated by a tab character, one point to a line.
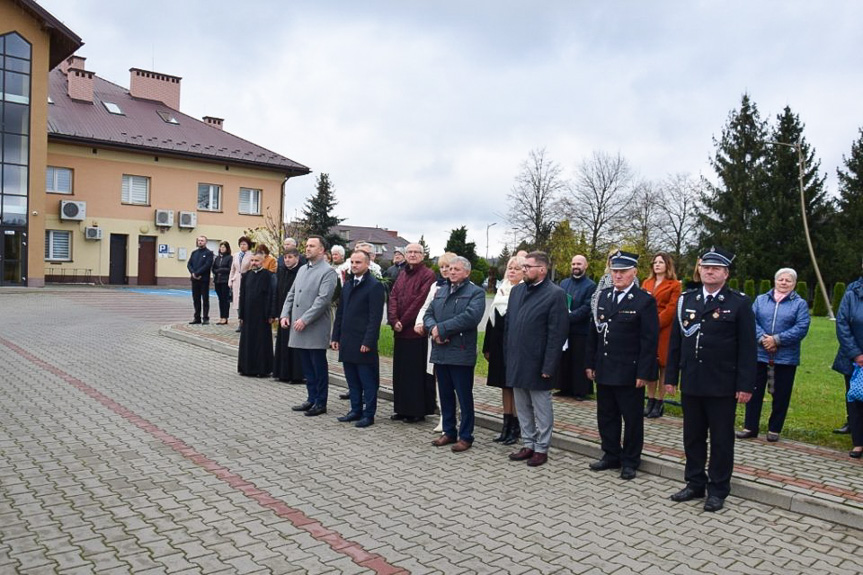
665	289
270	263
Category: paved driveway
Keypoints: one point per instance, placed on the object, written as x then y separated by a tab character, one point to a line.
123	451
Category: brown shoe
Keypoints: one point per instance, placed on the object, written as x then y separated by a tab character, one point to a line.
461	445
537	459
443	440
522	454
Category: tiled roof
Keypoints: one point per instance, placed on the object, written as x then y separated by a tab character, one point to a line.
381	236
142	129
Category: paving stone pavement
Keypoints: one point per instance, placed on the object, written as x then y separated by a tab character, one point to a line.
125	452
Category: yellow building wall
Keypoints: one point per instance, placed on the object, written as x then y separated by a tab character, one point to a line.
97	180
14	19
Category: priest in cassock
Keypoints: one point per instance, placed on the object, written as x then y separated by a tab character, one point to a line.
257	312
288	366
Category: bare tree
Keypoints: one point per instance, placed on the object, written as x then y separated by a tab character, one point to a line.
639	229
534	197
678	228
599	197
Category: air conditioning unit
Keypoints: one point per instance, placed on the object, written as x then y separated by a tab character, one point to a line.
165	218
70	210
188	219
93	233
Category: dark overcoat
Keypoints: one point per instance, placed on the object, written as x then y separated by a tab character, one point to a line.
536	328
719	359
621	344
358	320
257	307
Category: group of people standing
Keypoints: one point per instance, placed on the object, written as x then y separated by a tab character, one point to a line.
633	344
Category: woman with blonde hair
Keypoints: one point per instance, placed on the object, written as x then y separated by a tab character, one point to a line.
663	285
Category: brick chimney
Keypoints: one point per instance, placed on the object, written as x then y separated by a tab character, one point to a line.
155	86
79	84
215	122
72	61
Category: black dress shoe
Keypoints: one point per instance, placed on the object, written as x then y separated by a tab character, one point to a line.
745	434
195	322
411	419
304	406
350	416
855	454
206	322
713	503
627	473
397	417
844	430
316	410
364	422
687	494
603	464
344	396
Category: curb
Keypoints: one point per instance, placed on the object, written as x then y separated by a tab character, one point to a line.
845	515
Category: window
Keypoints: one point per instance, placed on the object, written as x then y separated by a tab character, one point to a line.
113	108
136	190
58	180
58	246
167	117
250	201
209	197
15	53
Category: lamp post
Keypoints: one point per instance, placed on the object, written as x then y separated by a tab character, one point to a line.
801	169
486	238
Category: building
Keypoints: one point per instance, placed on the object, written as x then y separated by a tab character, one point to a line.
125	182
385	241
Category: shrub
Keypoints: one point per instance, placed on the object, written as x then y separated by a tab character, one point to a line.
734	284
749	288
477	277
838	292
764	287
820	307
803	291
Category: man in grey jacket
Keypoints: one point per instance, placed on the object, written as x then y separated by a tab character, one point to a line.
308	314
452	319
536	328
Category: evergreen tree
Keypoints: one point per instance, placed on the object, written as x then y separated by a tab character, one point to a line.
502	260
459	245
562	246
778	225
426	251
730	205
318	212
850	215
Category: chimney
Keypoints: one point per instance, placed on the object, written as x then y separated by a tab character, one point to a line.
79	84
72	61
393	233
155	86
215	122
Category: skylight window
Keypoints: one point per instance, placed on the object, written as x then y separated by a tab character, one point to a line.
168	117
50	101
113	108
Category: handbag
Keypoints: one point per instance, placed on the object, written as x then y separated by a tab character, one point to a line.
855	390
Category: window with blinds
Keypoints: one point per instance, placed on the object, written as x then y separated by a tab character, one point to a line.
209	197
58	180
136	190
58	246
250	201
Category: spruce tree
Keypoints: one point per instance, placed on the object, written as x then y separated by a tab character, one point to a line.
426	251
730	206
459	245
850	204
318	213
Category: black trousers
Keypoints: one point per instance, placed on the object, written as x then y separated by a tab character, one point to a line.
572	379
783	384
616	405
713	415
855	416
201	297
224	293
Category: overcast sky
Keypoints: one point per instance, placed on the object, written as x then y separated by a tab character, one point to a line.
422	112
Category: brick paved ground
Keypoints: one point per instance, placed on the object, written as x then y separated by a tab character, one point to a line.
123	451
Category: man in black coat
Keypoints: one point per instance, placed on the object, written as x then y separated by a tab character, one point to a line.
257	312
579	288
534	335
712	353
621	359
199	265
355	336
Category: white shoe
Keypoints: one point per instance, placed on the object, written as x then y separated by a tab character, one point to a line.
439	428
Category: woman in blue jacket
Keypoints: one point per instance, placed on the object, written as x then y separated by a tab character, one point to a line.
849	332
781	323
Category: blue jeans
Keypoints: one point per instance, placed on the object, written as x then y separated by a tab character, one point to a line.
316	372
456	380
363	382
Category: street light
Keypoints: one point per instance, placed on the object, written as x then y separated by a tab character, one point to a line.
486	238
800	172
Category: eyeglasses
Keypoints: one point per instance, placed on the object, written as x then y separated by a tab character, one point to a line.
528	266
413	252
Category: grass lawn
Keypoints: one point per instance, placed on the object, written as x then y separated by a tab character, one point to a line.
817	403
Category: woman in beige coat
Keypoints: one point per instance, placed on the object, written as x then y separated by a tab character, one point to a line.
242	262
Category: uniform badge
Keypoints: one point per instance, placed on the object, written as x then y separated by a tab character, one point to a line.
686	324
692	315
716	314
602	317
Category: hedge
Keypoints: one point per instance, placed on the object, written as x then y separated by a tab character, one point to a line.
749	288
838	293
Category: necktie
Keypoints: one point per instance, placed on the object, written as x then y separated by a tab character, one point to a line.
356	282
709	299
614	299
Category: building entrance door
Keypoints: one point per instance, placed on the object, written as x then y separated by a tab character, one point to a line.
13	256
117	265
146	260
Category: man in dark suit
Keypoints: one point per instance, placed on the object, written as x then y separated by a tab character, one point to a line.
580	290
712	353
199	265
355	336
621	359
